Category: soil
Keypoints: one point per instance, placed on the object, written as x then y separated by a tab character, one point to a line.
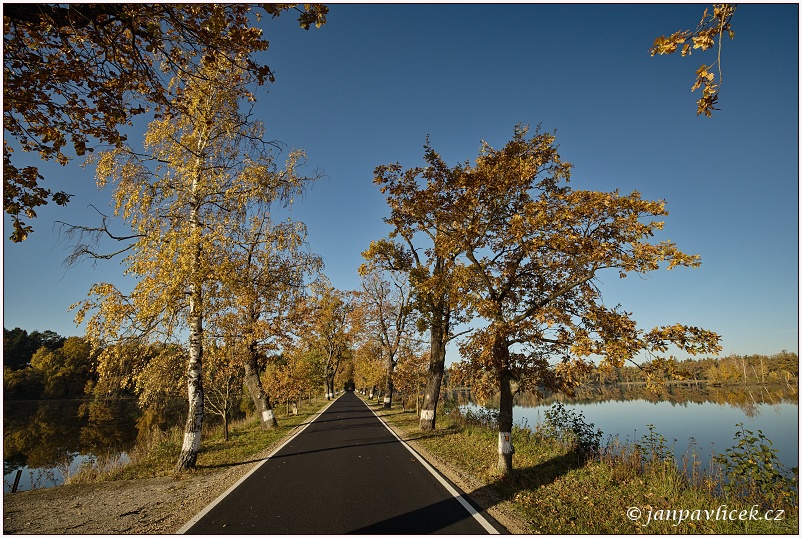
163	505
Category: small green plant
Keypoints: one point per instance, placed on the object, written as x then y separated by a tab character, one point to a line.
569	427
752	470
482	416
654	449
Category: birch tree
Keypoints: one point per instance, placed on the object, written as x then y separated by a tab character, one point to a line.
205	166
223	375
536	249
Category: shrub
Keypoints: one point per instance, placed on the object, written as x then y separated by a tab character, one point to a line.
569	427
752	470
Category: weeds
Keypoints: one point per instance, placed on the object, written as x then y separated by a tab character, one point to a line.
570	429
753	471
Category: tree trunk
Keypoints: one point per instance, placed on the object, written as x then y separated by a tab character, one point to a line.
225	427
194	424
505	448
434	379
330	384
388	397
260	399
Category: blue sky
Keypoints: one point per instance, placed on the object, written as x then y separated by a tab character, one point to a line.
368	87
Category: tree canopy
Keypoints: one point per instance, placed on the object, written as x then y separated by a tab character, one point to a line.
207	171
534	250
83	71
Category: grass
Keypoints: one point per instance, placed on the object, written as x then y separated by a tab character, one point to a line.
555	490
155	454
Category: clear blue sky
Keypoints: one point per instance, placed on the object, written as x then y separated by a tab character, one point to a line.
368	87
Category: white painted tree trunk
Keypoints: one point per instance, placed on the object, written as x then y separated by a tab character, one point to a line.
194	424
434	378
260	398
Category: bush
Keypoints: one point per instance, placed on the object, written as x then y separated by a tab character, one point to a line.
752	470
569	428
654	449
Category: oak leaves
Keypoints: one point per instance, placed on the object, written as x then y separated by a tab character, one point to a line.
712	27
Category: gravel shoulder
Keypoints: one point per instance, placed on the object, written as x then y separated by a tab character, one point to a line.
145	506
163	505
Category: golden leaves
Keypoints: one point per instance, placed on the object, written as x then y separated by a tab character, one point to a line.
711	27
54	87
190	202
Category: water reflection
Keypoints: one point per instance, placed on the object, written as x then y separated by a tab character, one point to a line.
691	416
48	439
748	399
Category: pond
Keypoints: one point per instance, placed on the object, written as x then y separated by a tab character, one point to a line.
49	439
694	419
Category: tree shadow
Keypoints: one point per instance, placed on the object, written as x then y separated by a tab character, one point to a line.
442	517
234	464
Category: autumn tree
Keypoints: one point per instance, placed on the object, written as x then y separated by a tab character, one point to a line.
66	370
205	169
223	375
368	367
416	197
410	375
82	71
708	33
536	249
386	315
265	311
19	346
329	332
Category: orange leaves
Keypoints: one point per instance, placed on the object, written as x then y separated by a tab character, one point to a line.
532	249
711	27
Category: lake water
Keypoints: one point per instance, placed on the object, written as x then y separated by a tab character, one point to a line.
710	423
48	439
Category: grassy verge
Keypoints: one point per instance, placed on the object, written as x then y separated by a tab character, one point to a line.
156	455
556	490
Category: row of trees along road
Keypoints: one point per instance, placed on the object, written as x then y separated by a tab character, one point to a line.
508	241
204	250
196	200
505	240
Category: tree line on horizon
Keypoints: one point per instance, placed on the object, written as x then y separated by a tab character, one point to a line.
754	369
46	365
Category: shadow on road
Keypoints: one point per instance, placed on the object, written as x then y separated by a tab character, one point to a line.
503	488
427	520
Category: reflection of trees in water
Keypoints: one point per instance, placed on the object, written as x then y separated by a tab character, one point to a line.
746	397
51	433
111	425
39	434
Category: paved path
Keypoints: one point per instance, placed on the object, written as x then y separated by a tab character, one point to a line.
346	472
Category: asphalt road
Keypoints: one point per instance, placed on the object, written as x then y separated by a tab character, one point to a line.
345	473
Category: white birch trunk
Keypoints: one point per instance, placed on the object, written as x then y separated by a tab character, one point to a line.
194	424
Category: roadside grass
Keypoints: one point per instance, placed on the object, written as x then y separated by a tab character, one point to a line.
557	490
155	454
